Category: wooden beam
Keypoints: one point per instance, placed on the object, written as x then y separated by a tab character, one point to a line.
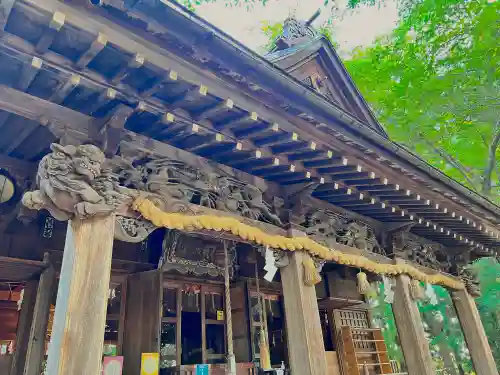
26	128
411	331
164	122
80	316
305	339
104	98
210	140
248	120
112	130
36	346
65	89
97	46
222	107
135	62
159	83
24	327
190	95
48	36
29	73
5	9
142	144
477	341
61	118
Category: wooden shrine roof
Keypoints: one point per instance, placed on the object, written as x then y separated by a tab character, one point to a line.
180	83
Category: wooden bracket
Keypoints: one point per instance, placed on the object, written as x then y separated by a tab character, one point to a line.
112	131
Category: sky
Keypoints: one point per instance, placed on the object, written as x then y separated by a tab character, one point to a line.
351	28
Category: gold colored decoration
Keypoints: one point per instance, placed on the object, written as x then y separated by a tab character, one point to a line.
246	232
311	274
416	290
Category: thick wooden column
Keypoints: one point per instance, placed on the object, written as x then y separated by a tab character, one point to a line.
305	337
411	332
80	317
476	339
24	327
36	345
143	313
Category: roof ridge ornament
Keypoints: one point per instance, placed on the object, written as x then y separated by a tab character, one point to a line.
295	31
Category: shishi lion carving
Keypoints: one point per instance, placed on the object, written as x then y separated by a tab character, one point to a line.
72	184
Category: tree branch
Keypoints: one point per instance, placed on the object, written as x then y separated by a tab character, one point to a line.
452	161
492	159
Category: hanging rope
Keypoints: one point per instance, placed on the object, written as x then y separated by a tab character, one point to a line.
183	222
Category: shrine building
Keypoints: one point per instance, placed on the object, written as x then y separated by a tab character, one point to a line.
170	198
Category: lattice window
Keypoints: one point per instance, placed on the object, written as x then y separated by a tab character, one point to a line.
354	318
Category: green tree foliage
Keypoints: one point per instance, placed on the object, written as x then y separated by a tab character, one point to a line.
434	84
488	271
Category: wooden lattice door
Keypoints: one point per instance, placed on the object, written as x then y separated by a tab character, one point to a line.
362	349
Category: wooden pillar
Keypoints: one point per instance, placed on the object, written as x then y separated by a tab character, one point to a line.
411	331
473	329
80	317
143	314
24	327
36	346
305	337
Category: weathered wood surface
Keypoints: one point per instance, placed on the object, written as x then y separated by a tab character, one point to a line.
80	316
410	329
142	318
36	346
58	118
24	327
305	338
477	341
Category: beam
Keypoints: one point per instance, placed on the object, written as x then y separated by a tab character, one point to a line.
97	46
65	89
135	62
112	131
159	83
104	98
222	107
477	341
29	73
190	95
5	9
60	118
26	128
48	36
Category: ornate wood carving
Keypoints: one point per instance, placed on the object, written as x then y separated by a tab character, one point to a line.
72	183
180	184
331	228
194	255
421	251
